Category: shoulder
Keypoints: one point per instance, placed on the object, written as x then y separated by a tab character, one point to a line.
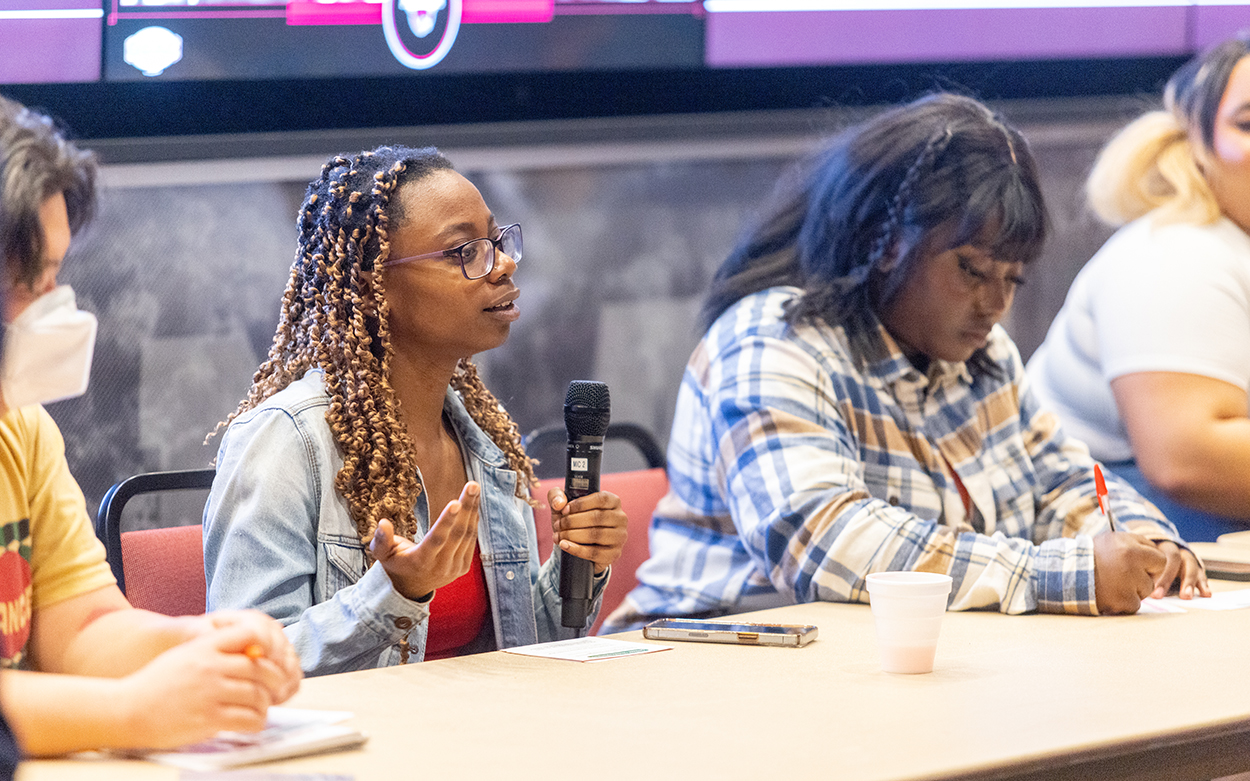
1147	240
759	311
305	394
762	318
32	429
754	343
293	417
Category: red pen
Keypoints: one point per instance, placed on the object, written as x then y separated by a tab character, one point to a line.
1103	504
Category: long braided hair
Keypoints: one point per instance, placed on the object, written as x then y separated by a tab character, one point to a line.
851	226
335	317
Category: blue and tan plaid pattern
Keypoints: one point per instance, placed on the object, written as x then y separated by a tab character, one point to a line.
796	470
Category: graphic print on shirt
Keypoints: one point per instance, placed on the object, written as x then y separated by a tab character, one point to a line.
15	592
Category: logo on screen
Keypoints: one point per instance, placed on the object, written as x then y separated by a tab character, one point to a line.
412	29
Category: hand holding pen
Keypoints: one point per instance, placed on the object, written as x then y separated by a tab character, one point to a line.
1121	561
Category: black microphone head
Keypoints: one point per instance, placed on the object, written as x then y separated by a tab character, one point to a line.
587	408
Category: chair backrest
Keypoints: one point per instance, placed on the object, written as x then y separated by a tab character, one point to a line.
640	492
157	569
548	443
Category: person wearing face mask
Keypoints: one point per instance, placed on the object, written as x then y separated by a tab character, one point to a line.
1149	359
79	667
854	406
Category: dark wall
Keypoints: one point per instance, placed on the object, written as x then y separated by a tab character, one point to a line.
624	226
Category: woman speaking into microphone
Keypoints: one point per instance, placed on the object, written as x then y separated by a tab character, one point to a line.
371	493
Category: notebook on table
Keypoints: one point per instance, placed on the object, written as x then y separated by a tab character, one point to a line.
290	732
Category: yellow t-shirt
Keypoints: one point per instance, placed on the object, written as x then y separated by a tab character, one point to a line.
48	550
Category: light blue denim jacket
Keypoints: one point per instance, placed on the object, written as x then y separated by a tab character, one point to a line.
278	537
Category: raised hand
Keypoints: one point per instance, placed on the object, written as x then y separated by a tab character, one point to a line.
444	554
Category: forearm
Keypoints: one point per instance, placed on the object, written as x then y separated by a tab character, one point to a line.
1190	436
122	641
1206	469
56	714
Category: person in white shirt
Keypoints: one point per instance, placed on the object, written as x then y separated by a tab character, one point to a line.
1148	362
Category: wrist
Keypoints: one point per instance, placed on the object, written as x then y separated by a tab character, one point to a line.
132	717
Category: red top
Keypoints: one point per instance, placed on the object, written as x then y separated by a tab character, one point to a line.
458	612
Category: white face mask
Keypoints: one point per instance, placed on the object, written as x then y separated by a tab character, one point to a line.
47	351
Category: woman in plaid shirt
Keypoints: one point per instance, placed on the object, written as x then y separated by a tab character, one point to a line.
854	406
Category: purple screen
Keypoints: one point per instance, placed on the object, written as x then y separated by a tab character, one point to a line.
137	40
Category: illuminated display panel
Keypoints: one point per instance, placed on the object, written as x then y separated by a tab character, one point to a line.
115	68
50	40
313	39
66	40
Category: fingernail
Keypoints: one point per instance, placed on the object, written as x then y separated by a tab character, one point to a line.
472	489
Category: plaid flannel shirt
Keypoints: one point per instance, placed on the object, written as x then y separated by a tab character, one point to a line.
796	470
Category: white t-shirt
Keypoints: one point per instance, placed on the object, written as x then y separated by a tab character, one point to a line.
1165	298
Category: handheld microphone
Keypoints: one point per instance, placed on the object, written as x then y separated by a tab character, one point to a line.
587	408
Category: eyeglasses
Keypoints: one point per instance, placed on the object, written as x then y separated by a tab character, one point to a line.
477	257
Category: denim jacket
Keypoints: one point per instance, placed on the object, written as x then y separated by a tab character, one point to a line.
278	537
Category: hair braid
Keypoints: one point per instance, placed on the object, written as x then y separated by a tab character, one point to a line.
884	247
335	318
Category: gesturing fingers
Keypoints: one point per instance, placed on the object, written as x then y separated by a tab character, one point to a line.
455	531
443	554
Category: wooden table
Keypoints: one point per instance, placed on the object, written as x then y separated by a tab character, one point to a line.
1021	697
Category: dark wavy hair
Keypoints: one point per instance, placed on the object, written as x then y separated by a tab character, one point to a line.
38	161
851	225
1195	90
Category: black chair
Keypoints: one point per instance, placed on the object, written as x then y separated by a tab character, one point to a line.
548	444
150	544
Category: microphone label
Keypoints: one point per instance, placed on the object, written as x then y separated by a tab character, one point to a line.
579	464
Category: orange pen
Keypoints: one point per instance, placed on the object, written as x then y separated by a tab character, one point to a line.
1103	504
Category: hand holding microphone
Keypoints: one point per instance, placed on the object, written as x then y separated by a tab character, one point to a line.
587	524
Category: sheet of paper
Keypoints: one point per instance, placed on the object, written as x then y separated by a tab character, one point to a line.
288	732
587	649
1220	600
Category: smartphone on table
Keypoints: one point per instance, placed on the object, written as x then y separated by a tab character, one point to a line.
741	633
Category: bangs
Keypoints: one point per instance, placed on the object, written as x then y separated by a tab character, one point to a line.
1006	217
